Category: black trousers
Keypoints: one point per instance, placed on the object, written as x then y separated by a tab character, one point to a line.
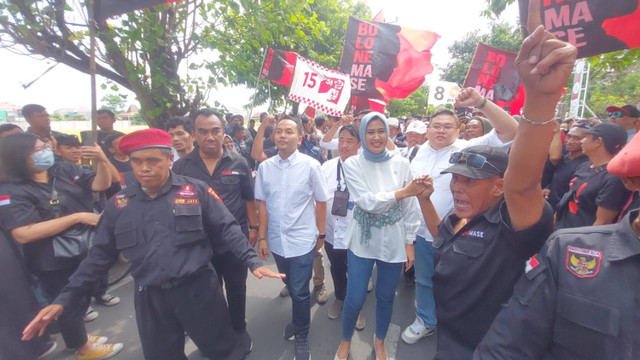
338	260
71	321
233	274
18	306
195	305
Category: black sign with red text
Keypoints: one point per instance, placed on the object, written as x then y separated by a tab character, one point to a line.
493	73
593	26
386	61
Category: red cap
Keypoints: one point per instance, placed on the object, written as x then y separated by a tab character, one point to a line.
627	162
143	139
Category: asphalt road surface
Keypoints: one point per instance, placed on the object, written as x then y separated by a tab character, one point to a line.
267	316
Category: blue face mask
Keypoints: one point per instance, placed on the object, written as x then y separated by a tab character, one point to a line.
43	159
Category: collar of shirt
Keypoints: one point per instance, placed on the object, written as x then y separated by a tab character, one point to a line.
492	215
623	242
194	159
285	163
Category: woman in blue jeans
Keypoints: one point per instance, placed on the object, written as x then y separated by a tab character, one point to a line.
382	231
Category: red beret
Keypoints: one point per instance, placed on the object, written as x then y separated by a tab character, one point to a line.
627	162
143	139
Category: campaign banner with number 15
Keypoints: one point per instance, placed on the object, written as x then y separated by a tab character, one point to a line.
321	88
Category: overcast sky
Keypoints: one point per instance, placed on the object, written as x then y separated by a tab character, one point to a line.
64	87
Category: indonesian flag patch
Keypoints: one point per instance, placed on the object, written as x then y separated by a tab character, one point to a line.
531	263
5	200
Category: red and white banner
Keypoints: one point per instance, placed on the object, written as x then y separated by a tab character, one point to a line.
324	89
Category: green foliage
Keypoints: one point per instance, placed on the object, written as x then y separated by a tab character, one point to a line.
114	102
56	117
613	88
158	53
414	105
501	35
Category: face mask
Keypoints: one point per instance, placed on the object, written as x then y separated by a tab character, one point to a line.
43	159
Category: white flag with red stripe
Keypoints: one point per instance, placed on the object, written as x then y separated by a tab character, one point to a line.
321	88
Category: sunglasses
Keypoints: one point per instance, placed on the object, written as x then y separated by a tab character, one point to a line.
472	160
616	114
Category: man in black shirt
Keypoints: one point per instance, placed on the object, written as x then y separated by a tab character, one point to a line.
595	196
166	226
559	170
39	122
229	175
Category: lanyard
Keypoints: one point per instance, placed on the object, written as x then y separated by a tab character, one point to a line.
338	177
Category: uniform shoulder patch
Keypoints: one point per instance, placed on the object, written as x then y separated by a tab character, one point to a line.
211	192
583	263
121	201
533	267
5	200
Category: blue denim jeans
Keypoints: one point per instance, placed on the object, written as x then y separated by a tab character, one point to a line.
426	305
298	270
359	271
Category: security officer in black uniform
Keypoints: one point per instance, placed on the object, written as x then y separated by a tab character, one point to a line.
230	177
166	226
580	296
482	246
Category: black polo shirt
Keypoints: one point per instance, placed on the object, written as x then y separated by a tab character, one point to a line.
231	179
475	271
589	189
28	203
556	178
166	238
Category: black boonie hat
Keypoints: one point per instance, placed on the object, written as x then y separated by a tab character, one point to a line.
496	163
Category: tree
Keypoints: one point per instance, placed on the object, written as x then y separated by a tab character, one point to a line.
414	105
114	102
157	53
501	35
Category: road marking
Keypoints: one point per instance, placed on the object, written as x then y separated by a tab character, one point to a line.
391	342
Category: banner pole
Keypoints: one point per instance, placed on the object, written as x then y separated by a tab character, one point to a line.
92	72
264	55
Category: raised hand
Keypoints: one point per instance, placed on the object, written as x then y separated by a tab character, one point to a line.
426	182
469	97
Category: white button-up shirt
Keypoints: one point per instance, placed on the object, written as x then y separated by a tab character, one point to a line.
336	226
289	187
429	161
372	187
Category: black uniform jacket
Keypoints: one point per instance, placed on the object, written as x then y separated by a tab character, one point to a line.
166	238
579	299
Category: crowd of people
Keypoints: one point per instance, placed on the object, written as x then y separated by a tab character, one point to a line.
520	234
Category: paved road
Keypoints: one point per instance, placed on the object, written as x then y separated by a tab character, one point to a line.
267	315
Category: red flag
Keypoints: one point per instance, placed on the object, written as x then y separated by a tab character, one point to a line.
493	73
386	61
310	112
278	66
593	26
379	17
107	8
359	103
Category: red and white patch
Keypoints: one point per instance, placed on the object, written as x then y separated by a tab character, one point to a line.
532	263
583	263
187	191
211	192
5	200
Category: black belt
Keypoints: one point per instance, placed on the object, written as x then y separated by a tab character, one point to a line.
177	282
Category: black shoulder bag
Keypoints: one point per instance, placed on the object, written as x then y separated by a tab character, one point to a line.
340	197
74	241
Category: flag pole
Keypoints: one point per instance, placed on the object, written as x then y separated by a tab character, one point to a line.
264	55
92	71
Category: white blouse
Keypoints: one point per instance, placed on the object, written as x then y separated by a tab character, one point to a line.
372	187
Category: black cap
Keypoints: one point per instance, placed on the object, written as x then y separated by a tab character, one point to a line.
68	140
614	136
495	156
628	110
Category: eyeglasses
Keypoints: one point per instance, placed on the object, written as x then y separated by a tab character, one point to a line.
472	160
616	114
440	127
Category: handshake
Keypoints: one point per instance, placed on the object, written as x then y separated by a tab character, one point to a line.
422	187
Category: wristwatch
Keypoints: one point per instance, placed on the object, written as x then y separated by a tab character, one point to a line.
251	227
322	236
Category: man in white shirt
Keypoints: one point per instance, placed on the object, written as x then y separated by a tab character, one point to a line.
415	135
431	159
293	196
338	219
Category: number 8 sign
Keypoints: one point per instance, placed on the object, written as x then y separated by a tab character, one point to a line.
442	92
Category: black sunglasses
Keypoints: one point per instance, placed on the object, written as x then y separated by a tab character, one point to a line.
472	160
